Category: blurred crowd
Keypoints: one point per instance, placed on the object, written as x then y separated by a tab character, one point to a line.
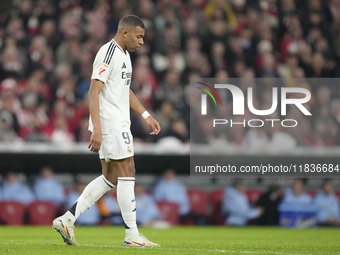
47	48
169	202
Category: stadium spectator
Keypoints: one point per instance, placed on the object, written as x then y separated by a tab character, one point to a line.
171	89
60	133
7	133
47	188
92	215
281	140
8	99
270	201
296	193
178	130
236	207
171	190
165	115
82	133
256	140
13	190
146	208
328	205
284	39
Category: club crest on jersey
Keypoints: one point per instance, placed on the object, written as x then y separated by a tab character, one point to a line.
129	150
123	66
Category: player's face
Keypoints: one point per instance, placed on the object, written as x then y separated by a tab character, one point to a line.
135	38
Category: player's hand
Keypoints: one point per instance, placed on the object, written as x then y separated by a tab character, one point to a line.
156	128
95	141
262	209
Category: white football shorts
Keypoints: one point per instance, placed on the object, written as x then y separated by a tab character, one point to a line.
116	144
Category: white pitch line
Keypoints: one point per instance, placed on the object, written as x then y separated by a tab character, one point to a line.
201	250
167	249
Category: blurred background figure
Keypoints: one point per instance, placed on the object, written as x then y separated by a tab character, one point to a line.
90	216
328	205
171	190
296	194
236	207
7	132
46	51
147	210
270	201
14	190
109	208
47	188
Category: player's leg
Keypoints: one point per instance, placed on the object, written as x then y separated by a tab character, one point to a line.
122	173
93	191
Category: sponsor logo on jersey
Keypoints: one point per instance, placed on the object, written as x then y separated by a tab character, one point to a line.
101	70
129	150
123	66
126	75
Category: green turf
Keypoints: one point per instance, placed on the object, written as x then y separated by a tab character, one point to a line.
180	240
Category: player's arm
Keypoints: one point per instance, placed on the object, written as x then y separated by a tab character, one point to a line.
96	137
138	107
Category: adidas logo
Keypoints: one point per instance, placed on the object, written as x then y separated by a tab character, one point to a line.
123	66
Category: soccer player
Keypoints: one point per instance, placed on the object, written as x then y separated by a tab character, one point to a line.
110	102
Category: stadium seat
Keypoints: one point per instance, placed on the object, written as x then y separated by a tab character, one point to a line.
253	195
198	201
337	194
169	212
311	192
41	213
216	198
12	213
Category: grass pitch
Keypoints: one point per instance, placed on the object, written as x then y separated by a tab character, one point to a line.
179	240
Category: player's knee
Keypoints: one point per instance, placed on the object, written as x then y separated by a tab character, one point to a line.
128	172
132	172
112	178
131	169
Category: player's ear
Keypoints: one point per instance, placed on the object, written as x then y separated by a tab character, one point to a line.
125	32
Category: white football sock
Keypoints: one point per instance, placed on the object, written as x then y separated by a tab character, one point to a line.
127	204
93	191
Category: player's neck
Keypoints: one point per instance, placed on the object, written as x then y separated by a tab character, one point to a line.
120	42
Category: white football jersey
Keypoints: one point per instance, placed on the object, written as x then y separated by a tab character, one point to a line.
113	67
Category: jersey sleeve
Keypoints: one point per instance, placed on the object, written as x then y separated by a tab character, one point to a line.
102	65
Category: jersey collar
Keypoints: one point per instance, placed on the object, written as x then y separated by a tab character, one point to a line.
118	46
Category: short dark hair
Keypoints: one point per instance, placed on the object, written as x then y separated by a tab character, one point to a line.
131	20
237	183
326	181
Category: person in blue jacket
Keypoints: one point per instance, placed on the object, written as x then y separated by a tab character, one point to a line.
328	205
47	188
172	190
297	194
236	207
13	190
147	210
